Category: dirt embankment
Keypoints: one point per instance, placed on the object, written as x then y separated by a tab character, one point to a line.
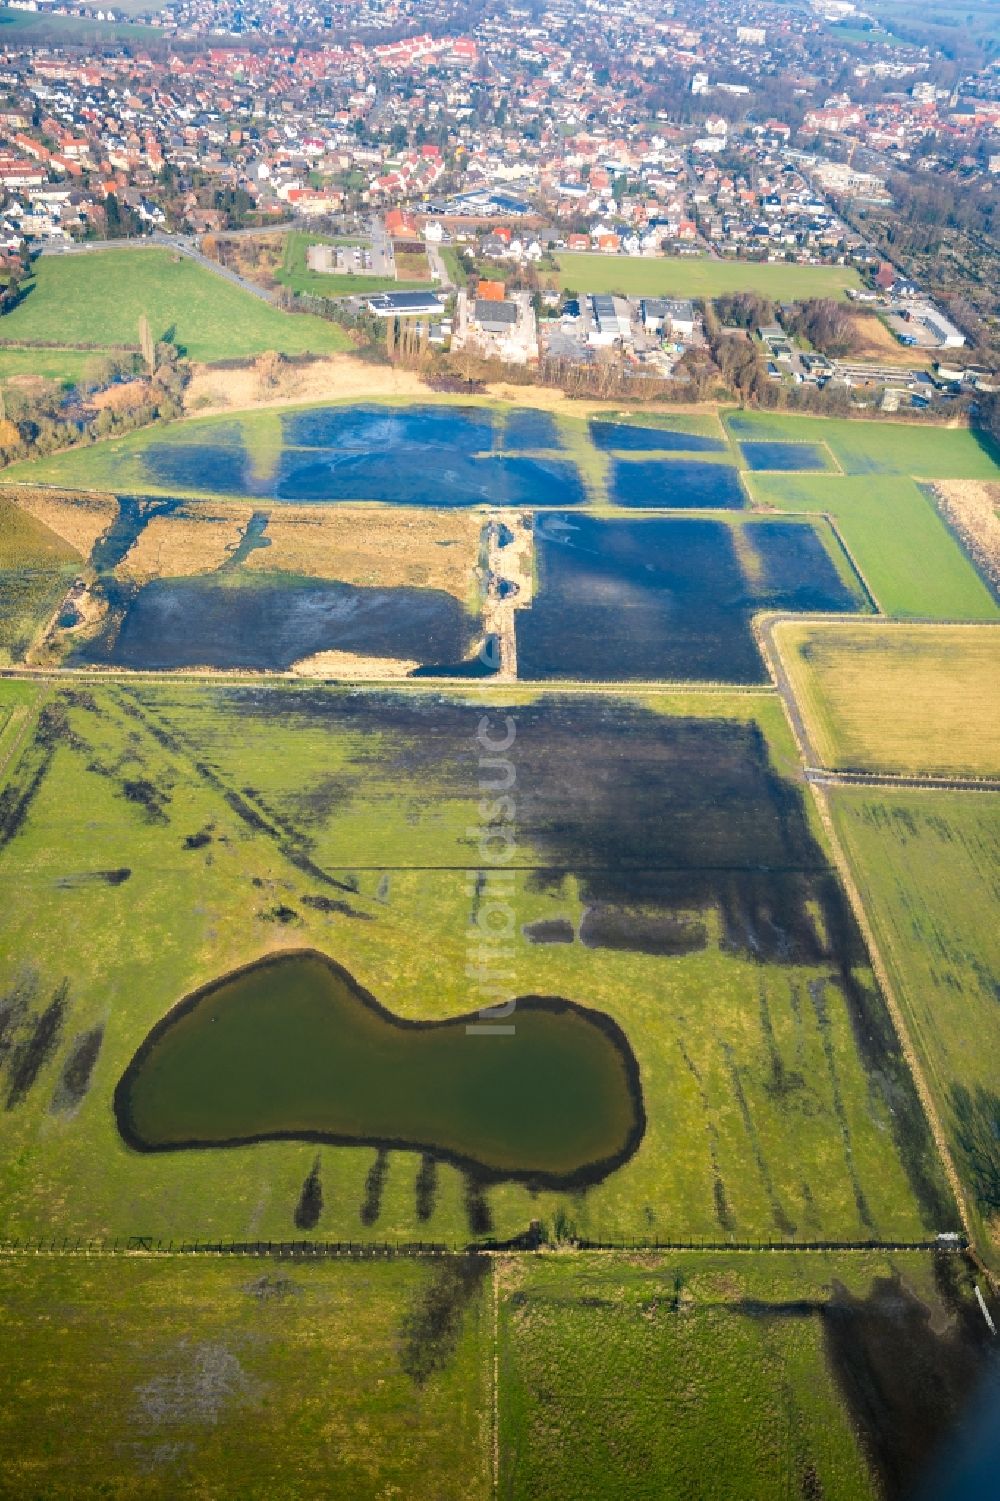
973	509
341	377
78	519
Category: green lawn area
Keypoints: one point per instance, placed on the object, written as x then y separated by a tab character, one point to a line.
252	818
249	1380
36	567
909	559
923	451
295	272
720	1377
26	28
453	265
925	864
698	276
68	366
908	700
99	297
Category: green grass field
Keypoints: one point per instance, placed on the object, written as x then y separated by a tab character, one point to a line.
26	28
244	1379
68	366
251	824
698	276
909	559
36	567
98	298
907	700
879	448
717	1376
925	864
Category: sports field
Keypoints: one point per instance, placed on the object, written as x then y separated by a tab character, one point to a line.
698	276
98	298
908	700
925	864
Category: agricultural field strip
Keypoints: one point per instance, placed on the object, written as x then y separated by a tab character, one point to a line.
879	967
815	768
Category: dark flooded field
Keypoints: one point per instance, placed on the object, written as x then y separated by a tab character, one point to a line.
629	437
421	476
788	456
371	428
292	1048
675	484
665	599
528	428
649	814
239	620
406	455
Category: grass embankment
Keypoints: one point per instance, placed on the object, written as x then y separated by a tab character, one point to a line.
243	820
698	276
99	297
909	559
67	366
925	864
243	1379
906	700
36	567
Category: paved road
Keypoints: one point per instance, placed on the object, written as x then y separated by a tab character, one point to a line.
439	270
383	260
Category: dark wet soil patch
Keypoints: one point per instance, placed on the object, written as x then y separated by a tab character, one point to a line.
310	1204
36	1045
74	1081
375	1180
641	932
430	1329
550	930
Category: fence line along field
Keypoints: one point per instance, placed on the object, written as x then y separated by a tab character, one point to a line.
98	298
903	699
698	276
925	864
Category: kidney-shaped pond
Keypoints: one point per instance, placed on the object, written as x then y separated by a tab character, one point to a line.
293	1048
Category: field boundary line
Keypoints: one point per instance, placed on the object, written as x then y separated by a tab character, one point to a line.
772	656
146	1247
910	1054
29	713
495	1394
